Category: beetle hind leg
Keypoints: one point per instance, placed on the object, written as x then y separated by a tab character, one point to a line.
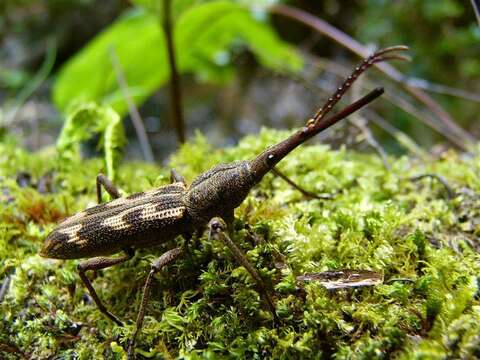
97	264
157	265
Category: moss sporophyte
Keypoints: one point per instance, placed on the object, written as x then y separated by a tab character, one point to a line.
380	220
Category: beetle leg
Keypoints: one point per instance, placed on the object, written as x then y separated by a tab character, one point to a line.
176	177
306	193
218	232
108	185
157	265
97	264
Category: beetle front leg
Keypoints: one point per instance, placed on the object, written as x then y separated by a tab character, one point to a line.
108	185
218	232
157	265
97	264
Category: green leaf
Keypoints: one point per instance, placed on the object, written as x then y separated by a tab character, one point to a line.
87	120
89	76
209	30
206	37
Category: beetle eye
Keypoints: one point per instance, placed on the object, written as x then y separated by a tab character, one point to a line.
270	158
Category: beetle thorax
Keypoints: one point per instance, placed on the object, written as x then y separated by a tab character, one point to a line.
218	191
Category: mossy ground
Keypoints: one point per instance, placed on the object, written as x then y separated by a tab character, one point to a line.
206	306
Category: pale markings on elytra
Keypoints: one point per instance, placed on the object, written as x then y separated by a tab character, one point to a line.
149	212
116	222
81	242
71	232
153	194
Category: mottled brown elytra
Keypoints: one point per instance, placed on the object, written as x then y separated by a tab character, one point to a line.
157	216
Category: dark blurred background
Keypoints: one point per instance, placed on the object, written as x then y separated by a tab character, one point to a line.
38	37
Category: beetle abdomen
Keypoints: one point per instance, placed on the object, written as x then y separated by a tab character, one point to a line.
110	227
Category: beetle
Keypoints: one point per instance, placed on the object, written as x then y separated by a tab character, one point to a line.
157	216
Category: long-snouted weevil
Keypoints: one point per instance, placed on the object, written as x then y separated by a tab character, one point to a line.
158	216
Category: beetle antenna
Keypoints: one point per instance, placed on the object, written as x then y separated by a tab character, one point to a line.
379	56
265	161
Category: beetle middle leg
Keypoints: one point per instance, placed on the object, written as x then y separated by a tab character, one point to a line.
157	265
109	187
97	264
217	228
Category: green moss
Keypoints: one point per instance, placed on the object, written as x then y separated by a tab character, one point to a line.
206	306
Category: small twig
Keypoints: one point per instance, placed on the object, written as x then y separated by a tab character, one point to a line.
5	287
132	109
476	9
450	192
343	278
361	124
403	139
175	90
443	89
304	192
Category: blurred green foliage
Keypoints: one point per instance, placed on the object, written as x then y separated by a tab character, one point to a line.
443	36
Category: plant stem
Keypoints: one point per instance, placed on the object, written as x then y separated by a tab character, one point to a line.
175	91
36	81
132	109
